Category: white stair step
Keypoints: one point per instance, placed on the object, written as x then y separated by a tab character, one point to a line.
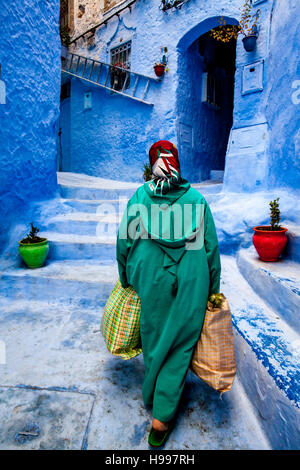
85	283
73	246
91	206
88	217
268	359
92	182
292	250
208	187
85	223
81	186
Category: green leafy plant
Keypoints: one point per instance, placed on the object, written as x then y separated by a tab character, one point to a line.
248	22
247	25
275	215
147	172
225	32
32	237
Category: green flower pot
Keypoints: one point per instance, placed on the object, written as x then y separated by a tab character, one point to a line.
34	254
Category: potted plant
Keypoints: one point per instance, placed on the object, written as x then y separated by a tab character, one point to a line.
248	26
270	240
160	67
34	249
65	41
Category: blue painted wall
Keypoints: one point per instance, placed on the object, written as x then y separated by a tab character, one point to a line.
97	146
283	104
64	150
30	59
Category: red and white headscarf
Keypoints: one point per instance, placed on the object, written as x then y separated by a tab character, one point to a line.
164	162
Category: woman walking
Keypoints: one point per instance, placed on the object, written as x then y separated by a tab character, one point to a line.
167	249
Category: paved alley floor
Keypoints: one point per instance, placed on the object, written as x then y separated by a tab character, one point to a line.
61	389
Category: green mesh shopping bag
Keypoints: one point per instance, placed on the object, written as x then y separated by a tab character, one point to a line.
120	324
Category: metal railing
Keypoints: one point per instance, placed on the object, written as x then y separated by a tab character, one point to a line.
116	79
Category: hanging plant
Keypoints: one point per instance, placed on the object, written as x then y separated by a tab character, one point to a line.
167	5
225	32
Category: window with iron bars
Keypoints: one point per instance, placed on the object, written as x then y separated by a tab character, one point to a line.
120	57
212	90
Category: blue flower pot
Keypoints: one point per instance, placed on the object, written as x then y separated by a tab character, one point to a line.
250	42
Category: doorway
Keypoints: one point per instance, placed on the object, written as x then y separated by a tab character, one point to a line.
205	106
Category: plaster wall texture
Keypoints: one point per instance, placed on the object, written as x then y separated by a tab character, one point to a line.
65	136
283	96
30	59
87	13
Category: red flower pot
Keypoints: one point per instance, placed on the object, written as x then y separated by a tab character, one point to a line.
269	243
159	70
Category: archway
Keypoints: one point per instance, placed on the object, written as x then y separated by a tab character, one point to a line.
206	74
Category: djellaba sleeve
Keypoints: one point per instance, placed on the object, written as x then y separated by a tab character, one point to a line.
123	247
124	241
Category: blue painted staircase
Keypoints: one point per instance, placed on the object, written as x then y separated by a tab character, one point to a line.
261	411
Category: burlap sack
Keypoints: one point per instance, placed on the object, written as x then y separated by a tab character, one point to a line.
214	358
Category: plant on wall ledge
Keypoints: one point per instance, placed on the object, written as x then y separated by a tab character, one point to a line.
270	240
168	5
247	27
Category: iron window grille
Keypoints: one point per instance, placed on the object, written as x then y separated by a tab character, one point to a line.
120	58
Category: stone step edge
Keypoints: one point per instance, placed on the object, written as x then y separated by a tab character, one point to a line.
67	272
281	280
56	237
277	350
